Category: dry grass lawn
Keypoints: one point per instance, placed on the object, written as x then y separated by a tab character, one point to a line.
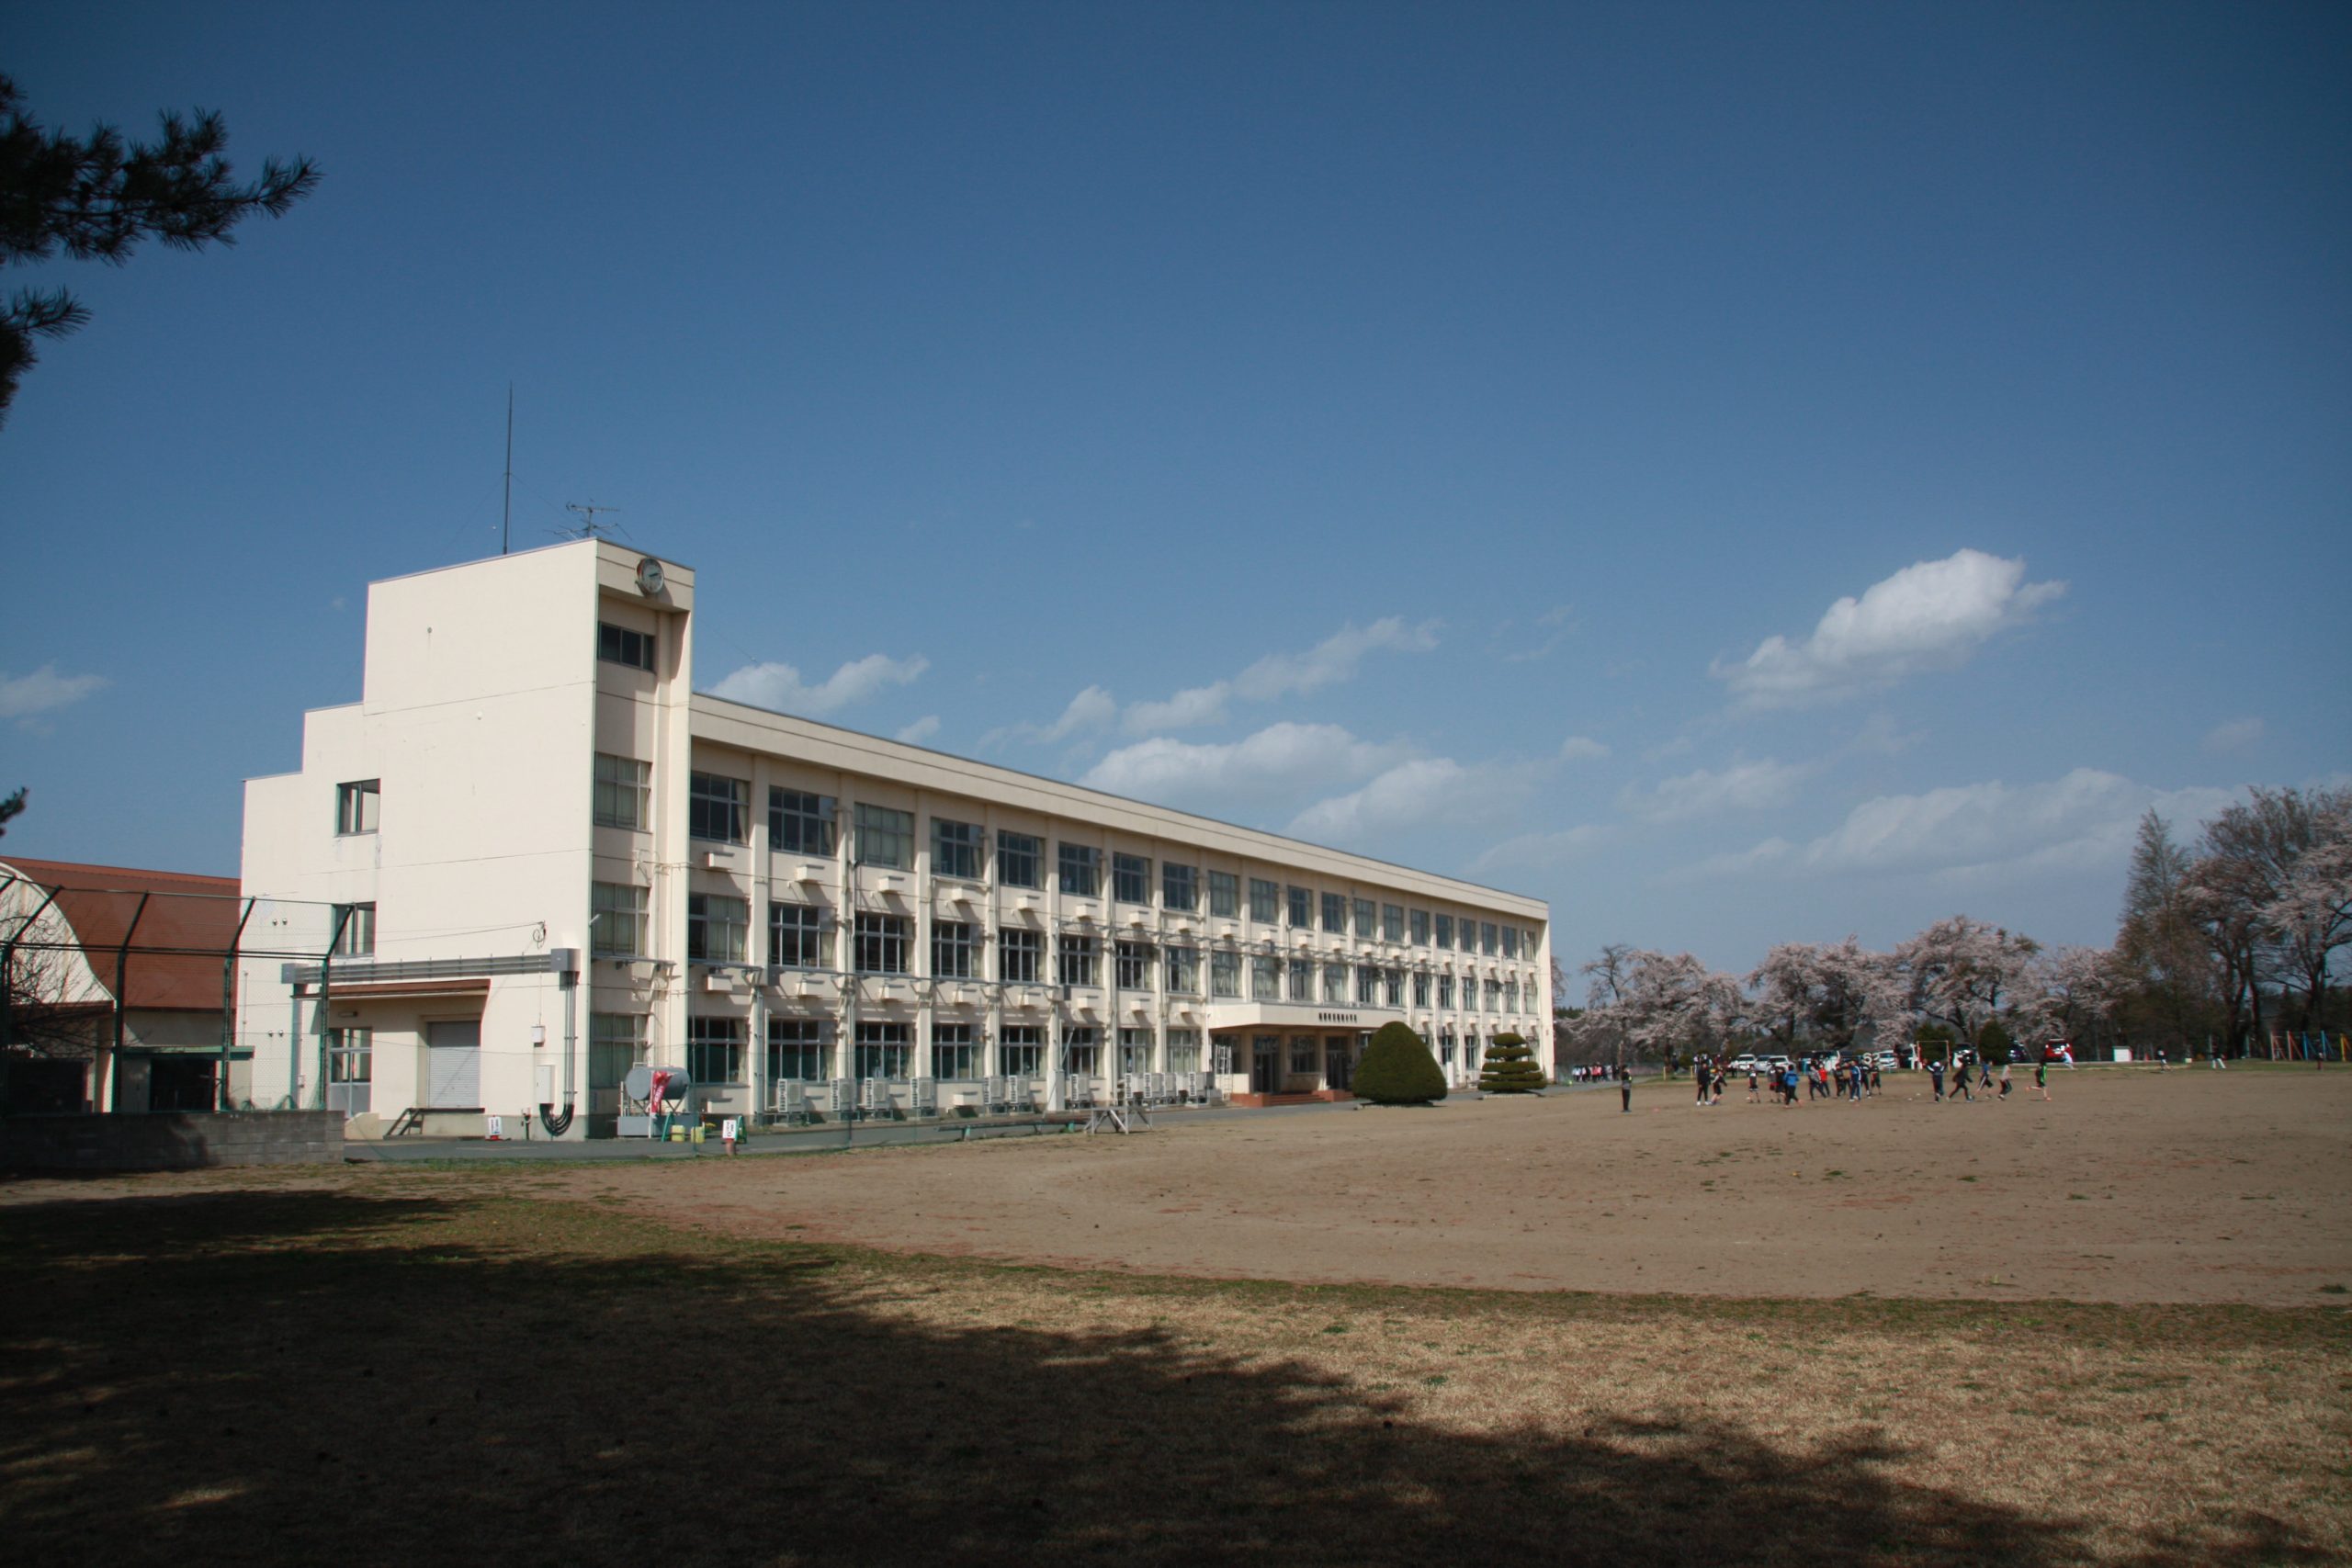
559	1365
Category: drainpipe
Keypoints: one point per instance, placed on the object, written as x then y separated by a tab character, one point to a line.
566	960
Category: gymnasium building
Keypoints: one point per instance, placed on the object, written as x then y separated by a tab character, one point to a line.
540	857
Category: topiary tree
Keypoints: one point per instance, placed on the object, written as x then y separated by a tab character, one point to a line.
1397	1069
1510	1067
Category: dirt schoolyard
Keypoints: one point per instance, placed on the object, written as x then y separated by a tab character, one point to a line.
2188	1186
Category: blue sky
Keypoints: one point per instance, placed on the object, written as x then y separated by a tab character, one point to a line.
1449	433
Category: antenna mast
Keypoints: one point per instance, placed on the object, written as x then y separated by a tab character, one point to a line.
506	515
590	528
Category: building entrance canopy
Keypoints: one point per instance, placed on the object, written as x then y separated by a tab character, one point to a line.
1299	1015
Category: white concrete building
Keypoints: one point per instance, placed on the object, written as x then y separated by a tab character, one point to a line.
549	857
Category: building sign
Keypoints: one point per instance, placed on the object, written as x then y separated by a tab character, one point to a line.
1335	1018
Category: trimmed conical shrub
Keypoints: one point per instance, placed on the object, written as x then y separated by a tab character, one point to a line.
1397	1069
1510	1067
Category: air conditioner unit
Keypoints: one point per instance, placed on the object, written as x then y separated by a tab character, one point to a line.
809	871
718	859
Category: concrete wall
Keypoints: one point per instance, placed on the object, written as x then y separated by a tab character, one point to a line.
170	1142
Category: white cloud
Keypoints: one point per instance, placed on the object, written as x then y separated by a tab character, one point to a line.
2082	822
1092	708
779	688
1539	850
1743	786
1416	793
1929	615
2235	736
1581	748
920	729
1188	709
1279	758
1333	659
1770	852
44	691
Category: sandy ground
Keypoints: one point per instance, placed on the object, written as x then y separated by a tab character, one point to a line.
2129	1185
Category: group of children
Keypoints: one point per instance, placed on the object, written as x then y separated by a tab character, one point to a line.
1852	1080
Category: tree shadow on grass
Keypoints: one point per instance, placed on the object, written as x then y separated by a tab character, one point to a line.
305	1378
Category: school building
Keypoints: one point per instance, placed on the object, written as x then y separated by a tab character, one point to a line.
540	857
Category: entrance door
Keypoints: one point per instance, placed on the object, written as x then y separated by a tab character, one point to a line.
453	1070
1266	1064
1339	1064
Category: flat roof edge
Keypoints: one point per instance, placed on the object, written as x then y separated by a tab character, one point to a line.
753	714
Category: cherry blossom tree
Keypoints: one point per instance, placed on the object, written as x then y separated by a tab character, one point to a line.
1962	973
1825	994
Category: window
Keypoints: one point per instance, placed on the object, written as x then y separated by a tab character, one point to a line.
1367	985
796	1051
1302	906
351	1056
618	645
1302	979
883	1051
1510	996
1494	996
1225	974
1335	913
1392	986
716	807
800	823
1081	869
1022	1053
1135	1050
1420	991
1392	922
1184	971
1131	879
1486	938
886	837
1265	977
800	936
1306	1056
1365	914
717	927
714	1050
1421	928
883	943
1510	942
1081	1050
1446	930
955	849
616	1043
1445	990
1335	981
1265	901
954	950
356	804
623	787
1020	860
1133	963
952	1053
1183	1050
1180	886
1225	895
1020	956
616	920
1445	1047
1075	959
355	931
